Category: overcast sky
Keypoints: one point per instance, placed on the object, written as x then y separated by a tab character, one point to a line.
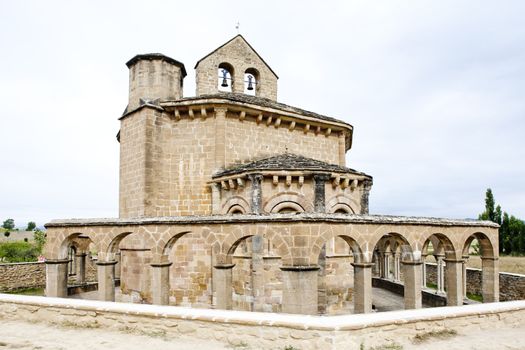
434	89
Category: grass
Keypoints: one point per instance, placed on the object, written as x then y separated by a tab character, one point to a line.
441	334
391	346
475	297
512	264
27	291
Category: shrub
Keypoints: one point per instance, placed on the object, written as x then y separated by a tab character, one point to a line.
18	252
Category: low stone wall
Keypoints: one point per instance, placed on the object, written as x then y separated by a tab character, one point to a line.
15	276
22	275
511	286
263	330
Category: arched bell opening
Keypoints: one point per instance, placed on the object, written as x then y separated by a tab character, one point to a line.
251	82
225	76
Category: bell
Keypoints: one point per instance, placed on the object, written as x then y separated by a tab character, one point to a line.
250	83
224	79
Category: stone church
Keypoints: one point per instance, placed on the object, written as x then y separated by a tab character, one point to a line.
233	200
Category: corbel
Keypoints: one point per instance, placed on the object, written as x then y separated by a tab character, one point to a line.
259	119
231	184
277	123
177	114
190	113
288	180
328	132
240	182
317	130
301	181
224	185
292	126
269	120
306	128
336	181
242	115
204	114
345	183
275	180
354	184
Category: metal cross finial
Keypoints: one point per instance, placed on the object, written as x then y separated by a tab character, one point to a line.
238	26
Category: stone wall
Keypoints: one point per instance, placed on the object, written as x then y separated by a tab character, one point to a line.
33	275
264	330
22	275
511	286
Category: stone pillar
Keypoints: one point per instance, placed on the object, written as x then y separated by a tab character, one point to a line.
440	274
160	283
215	198
367	186
223	286
220	137
300	289
424	271
81	267
319	192
387	265
464	276
397	263
490	279
118	266
258	273
56	278
256	193
382	265
106	280
412	274
362	288
454	271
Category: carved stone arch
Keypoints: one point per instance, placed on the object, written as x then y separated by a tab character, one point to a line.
234	238
292	199
341	202
406	248
488	248
236	203
109	245
440	242
57	249
354	241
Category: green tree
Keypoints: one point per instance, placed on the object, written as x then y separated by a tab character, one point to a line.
40	239
9	224
31	226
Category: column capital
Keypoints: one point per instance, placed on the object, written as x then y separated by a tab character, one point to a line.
56	261
321	177
106	263
300	268
457	261
490	258
362	265
405	262
79	255
161	264
224	266
255	177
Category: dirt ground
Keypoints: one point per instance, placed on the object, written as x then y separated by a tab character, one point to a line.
30	336
512	264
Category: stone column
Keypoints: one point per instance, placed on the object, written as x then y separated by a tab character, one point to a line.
258	273
81	267
215	198
362	288
454	271
387	265
412	274
382	265
397	269
118	266
367	186
220	137
440	274
56	278
256	193
424	271
319	192
223	286
490	279
300	289
160	283
465	258
106	280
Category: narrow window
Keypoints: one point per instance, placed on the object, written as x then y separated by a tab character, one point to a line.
225	77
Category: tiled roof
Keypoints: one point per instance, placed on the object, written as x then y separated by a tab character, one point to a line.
286	161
